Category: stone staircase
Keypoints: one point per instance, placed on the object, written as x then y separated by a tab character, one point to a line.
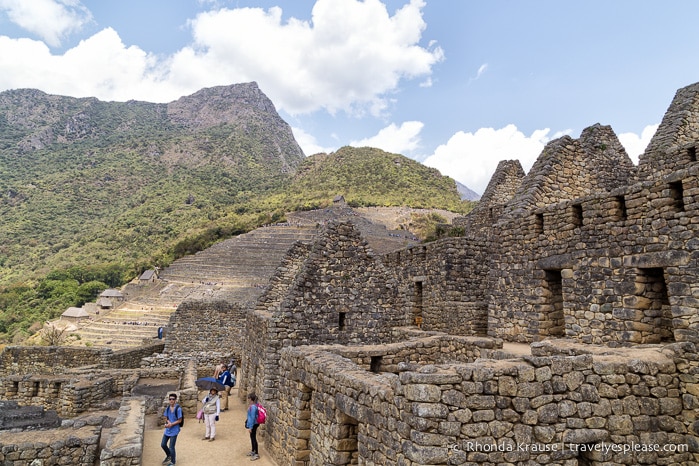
234	270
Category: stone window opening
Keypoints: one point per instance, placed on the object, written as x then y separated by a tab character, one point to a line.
347	445
577	211
15	388
653	318
692	153
677	195
375	365
56	386
552	319
621	213
417	303
341	320
539	224
35	389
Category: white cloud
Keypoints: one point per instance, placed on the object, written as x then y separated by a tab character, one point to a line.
351	56
398	140
51	20
308	143
481	70
471	158
634	144
99	66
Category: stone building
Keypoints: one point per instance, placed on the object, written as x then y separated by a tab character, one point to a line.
560	329
587	251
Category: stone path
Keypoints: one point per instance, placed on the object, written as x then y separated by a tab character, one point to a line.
229	448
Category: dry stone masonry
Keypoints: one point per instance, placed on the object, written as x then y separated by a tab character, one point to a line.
561	328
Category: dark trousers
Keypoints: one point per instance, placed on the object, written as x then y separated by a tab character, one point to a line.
253	438
169	451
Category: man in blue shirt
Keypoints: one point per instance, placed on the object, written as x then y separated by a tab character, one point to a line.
228	382
173	420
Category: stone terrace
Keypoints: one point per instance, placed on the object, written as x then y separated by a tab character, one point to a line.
238	268
235	270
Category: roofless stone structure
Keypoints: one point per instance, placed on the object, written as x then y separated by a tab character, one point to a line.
410	357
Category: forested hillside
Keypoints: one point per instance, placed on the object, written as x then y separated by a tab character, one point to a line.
92	193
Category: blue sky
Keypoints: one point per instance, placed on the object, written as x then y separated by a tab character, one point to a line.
458	85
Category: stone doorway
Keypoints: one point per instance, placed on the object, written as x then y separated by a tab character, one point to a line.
553	324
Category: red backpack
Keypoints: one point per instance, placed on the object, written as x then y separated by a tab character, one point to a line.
261	414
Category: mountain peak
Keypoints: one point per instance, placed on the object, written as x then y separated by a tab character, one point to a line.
221	104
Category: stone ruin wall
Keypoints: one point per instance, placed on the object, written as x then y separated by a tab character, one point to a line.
338	293
617	268
19	360
573	168
674	145
79	447
321	378
544	409
263	337
444	283
501	189
204	326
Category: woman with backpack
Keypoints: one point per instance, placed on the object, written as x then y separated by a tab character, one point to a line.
251	425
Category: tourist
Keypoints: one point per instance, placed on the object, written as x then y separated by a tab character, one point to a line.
251	425
212	408
233	369
228	382
218	369
173	419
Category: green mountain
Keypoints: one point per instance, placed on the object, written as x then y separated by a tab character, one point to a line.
92	193
371	177
84	181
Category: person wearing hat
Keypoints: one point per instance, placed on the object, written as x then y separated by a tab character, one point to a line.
212	408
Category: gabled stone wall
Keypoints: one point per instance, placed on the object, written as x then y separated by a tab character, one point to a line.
571	168
674	145
501	189
615	268
444	283
338	293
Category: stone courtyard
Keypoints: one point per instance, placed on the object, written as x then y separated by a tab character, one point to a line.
406	356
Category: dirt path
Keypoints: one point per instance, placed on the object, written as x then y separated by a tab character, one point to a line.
229	449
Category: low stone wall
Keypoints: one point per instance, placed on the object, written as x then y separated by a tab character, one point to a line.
436	349
627	407
77	446
69	396
48	359
81	390
131	358
124	446
19	360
